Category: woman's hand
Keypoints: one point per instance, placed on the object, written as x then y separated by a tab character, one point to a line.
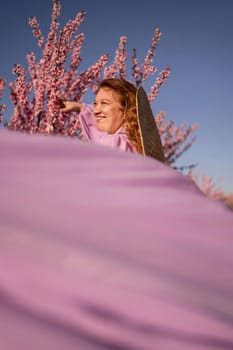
70	106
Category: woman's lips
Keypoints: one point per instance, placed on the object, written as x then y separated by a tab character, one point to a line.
100	118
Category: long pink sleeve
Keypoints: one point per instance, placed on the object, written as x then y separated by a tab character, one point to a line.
118	140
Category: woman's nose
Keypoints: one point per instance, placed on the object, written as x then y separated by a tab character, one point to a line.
96	109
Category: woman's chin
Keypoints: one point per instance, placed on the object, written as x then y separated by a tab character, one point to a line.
100	126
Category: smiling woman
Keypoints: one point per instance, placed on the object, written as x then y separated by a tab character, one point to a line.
113	118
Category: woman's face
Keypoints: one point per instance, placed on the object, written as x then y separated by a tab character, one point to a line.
108	111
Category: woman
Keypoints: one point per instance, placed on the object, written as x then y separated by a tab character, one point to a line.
112	119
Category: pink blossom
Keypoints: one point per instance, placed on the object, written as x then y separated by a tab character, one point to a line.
118	68
212	188
36	30
2	106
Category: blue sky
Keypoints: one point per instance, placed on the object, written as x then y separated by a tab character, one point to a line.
197	43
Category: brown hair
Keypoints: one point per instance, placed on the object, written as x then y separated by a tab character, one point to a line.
127	93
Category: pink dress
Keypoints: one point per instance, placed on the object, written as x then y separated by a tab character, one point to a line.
117	140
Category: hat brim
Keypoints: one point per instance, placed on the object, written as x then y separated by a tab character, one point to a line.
150	137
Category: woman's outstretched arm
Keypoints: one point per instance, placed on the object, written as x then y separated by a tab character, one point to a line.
70	106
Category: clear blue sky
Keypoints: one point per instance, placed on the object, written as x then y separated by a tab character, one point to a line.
197	43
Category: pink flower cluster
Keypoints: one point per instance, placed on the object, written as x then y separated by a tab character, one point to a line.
36	31
36	107
118	68
175	139
160	81
211	188
141	74
2	106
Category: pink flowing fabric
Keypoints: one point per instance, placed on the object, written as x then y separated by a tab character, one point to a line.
103	249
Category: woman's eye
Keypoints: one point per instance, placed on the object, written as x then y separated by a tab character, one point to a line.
101	103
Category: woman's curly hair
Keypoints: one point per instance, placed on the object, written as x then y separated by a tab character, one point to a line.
127	93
